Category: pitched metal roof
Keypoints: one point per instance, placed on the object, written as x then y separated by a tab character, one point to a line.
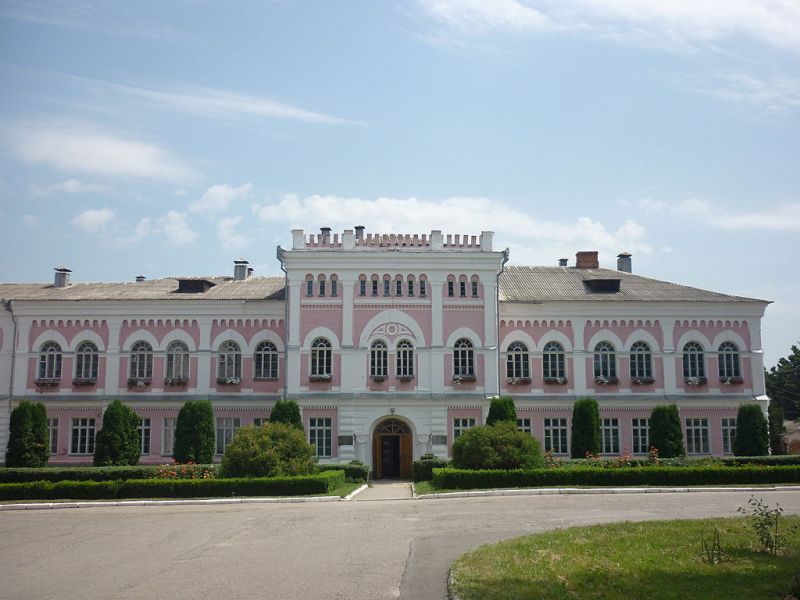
534	285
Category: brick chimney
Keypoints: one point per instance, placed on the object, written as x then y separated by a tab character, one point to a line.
587	260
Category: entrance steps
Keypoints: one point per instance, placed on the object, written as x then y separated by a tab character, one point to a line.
386	490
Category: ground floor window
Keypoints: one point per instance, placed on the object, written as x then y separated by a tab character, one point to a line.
728	435
697	436
460	425
168	436
52	429
83	430
226	427
609	436
641	436
524	425
555	436
320	435
144	436
259	421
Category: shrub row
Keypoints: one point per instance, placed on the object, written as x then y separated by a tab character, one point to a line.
680	461
667	476
354	472
92	473
303	485
422	469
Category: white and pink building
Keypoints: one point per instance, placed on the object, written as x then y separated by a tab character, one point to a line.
391	344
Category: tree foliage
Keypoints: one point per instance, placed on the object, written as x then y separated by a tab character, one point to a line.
783	383
776	428
585	428
502	409
119	441
272	450
194	433
499	446
666	434
28	439
752	437
288	412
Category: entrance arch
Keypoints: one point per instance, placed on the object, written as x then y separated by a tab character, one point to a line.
392	449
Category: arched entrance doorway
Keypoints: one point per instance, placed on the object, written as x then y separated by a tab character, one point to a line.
392	450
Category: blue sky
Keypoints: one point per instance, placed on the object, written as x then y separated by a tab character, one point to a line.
165	138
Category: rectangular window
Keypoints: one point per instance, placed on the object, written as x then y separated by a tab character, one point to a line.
641	436
399	287
82	441
52	429
524	425
474	289
451	288
410	287
387	287
144	436
334	287
226	427
555	436
728	435
462	289
362	287
422	289
322	287
309	287
168	436
320	435
374	287
461	425
609	436
697	436
259	421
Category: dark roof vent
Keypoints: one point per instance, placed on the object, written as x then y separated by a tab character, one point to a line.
562	262
194	286
140	278
602	286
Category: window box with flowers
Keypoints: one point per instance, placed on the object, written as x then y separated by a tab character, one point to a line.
405	378
319	378
731	380
84	382
518	380
135	383
555	380
378	378
605	380
174	382
229	380
643	380
47	382
695	381
458	379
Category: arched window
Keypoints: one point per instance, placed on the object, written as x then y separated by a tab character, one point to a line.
463	358
729	366
230	362
141	361
405	359
378	356
266	359
641	361
694	367
86	361
517	363
321	358
177	361
50	361
553	361
605	362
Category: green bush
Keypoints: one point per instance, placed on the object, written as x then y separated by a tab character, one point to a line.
272	450
98	473
666	434
28	440
422	469
355	471
502	409
776	428
119	441
752	434
500	446
288	412
194	433
585	428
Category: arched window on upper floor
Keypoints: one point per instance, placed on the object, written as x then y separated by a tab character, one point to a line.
177	369
321	359
729	364
475	283
462	286
694	367
229	365
405	359
517	362
605	363
423	286
378	357
641	362
266	361
334	286
322	285
50	361
141	361
410	284
553	365
463	359
309	285
86	361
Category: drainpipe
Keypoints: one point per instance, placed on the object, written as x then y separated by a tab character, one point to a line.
7	306
497	314
281	254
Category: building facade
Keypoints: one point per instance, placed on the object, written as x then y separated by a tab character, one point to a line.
392	346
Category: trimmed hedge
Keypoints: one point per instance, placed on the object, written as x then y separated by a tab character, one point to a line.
89	473
422	469
354	472
634	476
303	485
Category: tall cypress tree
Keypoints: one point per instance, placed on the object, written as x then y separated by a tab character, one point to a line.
585	428
666	434
119	441
28	444
194	433
752	436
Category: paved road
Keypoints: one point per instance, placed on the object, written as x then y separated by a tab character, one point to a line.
344	550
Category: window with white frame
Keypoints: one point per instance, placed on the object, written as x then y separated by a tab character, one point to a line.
697	436
728	356
461	424
462	288
144	436
141	361
387	287
177	361
693	361
50	361
555	436
334	287
641	361
266	360
605	362
524	425
321	287
609	436
86	361
423	290
641	435
474	289
229	366
82	439
517	361
226	429
451	288
463	358
259	421
398	287
378	357
320	435
309	287
404	359
168	436
362	287
321	358
728	435
553	361
375	287
52	430
410	287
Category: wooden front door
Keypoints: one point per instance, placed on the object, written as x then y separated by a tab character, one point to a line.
392	450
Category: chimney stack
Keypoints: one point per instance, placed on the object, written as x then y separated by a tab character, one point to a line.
62	277
359	232
624	262
140	278
562	262
240	269
250	272
326	235
587	260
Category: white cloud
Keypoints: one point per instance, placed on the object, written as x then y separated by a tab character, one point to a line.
772	95
30	220
226	233
70	186
479	16
85	148
175	227
94	220
218	198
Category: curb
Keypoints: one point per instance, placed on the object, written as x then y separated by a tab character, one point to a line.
580	491
352	494
187	502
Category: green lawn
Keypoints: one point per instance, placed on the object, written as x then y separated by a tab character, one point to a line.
653	561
